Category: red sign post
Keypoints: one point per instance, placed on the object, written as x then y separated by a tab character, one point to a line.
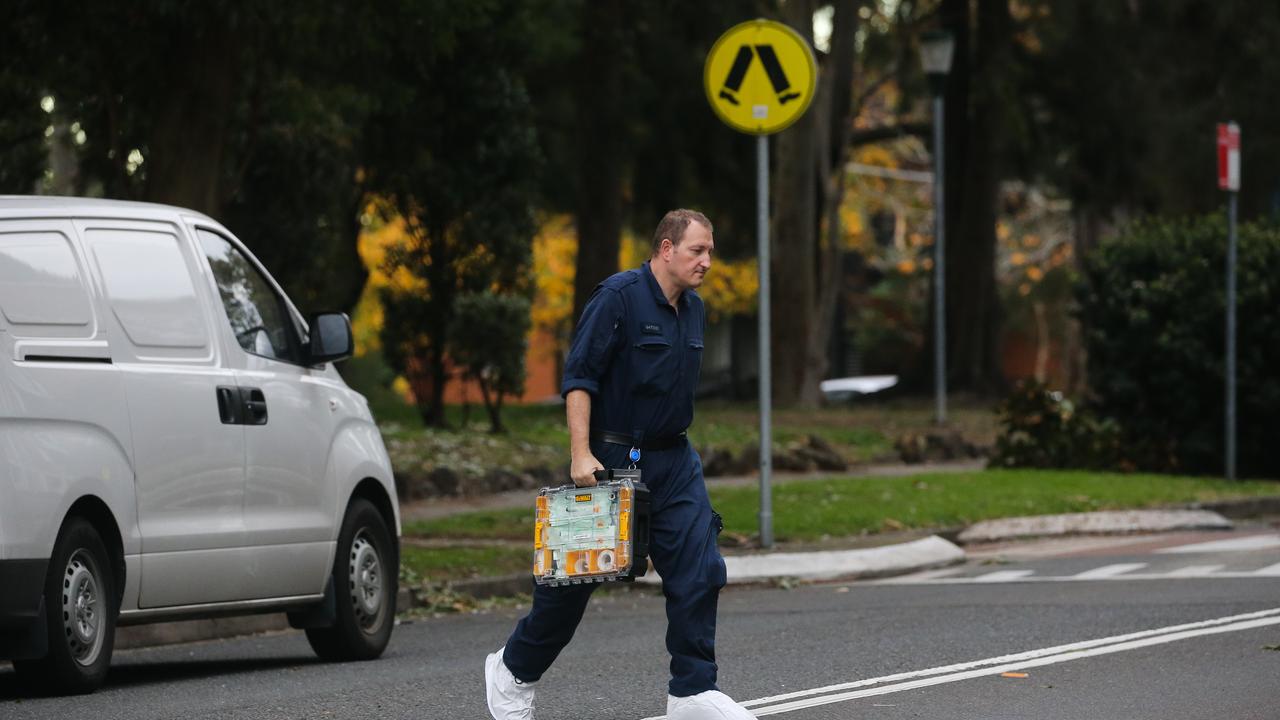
1229	156
1229	180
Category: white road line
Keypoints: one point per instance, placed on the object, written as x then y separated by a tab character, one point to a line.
1195	571
1252	542
997	669
1002	576
1107	571
1019	659
1270	570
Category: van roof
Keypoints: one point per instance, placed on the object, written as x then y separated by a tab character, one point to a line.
54	204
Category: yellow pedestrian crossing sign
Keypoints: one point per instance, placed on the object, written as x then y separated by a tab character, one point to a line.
760	77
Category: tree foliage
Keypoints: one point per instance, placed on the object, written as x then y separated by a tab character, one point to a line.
250	113
489	335
1125	121
1155	299
456	155
626	128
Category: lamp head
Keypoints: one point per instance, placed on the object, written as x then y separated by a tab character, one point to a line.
936	50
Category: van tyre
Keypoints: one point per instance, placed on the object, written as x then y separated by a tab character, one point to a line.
80	610
365	578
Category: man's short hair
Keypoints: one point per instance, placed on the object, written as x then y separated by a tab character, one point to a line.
674	224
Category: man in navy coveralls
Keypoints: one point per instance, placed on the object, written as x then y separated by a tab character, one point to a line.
628	383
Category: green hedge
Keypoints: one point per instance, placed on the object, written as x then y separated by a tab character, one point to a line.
1152	302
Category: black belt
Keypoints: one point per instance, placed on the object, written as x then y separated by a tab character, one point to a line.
654	443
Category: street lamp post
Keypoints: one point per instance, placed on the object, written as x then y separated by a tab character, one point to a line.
936	49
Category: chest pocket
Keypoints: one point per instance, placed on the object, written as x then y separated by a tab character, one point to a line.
693	362
653	363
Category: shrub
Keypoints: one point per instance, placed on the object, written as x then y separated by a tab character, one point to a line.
1043	429
1152	303
489	333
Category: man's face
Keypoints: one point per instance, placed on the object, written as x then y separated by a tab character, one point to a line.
689	261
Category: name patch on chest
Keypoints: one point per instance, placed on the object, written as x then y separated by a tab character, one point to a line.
651	329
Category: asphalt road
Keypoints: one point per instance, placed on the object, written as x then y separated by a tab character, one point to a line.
1118	628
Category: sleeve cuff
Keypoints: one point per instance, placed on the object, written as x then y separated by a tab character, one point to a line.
591	386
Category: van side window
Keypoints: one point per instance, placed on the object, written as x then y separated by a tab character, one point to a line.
149	287
42	293
259	317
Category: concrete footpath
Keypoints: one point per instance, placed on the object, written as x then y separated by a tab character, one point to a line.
873	556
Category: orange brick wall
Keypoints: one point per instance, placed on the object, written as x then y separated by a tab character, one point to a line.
541	383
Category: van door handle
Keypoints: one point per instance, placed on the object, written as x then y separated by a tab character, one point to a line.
255	406
228	405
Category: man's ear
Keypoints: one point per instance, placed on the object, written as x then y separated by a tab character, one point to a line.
666	248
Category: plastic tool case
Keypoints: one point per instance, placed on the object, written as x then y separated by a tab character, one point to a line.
592	534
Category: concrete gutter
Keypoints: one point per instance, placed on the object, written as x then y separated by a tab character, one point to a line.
1094	523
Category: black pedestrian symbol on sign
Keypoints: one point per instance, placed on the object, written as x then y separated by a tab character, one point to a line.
768	58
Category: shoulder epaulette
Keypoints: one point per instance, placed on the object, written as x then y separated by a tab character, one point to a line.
617	281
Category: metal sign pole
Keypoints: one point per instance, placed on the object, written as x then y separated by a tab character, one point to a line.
1231	335
1229	180
939	268
760	103
762	252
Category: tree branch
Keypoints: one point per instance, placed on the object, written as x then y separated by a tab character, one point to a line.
876	85
889	132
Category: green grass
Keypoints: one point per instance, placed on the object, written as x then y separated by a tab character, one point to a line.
836	508
507	524
844	507
455	563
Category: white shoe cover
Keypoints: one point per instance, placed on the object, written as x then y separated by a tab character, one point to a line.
509	699
709	705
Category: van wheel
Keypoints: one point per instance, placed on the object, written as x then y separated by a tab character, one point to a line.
80	610
365	574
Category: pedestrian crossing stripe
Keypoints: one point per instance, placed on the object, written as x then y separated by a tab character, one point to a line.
760	77
1119	571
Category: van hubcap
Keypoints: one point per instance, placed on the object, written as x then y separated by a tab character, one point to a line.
366	581
82	608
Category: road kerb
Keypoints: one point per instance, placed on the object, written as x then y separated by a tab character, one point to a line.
922	554
1103	522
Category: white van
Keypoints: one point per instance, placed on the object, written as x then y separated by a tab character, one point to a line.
175	443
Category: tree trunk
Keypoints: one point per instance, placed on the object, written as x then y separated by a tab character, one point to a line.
442	292
794	239
835	117
197	105
974	327
600	162
492	405
433	415
974	166
424	399
1088	232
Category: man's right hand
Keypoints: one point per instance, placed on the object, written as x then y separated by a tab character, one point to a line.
582	469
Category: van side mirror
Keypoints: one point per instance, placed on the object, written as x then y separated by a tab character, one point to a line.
330	338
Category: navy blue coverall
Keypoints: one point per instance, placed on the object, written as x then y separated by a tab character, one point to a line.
639	359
